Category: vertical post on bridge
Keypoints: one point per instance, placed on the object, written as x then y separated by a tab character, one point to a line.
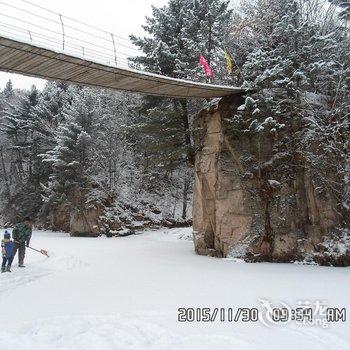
63	33
115	52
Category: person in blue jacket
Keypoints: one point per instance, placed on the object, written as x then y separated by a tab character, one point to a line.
7	248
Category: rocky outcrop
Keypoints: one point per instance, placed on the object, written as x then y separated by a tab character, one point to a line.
109	217
85	222
245	205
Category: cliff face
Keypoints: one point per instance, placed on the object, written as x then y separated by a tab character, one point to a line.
246	206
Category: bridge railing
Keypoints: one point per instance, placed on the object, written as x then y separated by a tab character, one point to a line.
27	22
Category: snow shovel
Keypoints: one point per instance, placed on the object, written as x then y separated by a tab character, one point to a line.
42	251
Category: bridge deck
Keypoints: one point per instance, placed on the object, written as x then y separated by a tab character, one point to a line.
27	59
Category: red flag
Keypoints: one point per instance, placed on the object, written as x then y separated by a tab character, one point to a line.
206	68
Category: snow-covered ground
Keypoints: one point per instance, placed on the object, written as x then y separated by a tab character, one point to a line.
124	293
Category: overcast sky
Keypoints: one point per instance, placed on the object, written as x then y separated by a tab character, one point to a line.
121	17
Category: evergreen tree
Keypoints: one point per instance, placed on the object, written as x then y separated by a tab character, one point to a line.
48	113
344	6
70	158
162	48
83	150
19	127
296	64
8	90
46	116
178	33
207	24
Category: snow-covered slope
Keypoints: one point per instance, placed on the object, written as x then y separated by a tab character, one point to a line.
124	293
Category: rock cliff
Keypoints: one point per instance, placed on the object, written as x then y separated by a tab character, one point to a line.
249	204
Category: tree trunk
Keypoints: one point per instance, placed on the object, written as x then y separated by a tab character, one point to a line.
4	172
184	199
186	125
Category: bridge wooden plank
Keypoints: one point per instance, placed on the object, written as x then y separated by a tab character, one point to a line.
129	85
36	61
57	70
29	63
135	83
8	57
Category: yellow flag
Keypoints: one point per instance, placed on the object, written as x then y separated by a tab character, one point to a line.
229	62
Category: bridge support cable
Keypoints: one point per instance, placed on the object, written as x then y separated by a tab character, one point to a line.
115	52
38	42
63	33
40	22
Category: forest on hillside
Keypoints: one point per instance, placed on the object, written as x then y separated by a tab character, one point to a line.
70	148
89	160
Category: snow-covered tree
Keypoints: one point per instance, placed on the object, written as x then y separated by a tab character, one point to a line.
295	60
48	113
8	90
179	32
70	157
207	24
18	126
344	6
85	150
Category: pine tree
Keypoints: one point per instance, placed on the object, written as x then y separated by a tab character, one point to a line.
207	24
19	127
70	157
46	116
178	33
8	90
165	126
162	48
296	63
344	6
48	113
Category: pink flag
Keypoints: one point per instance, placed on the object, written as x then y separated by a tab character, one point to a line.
206	68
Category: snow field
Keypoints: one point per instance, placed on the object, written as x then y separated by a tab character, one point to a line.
124	293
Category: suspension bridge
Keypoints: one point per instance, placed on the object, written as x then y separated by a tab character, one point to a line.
38	42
